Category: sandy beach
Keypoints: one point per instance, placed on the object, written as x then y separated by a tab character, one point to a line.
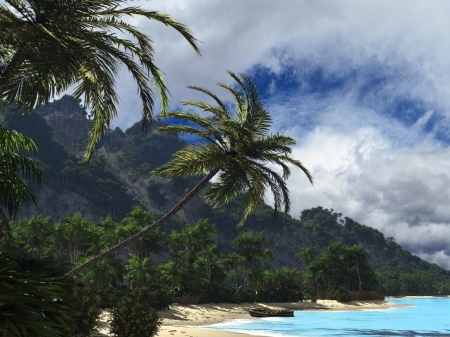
189	321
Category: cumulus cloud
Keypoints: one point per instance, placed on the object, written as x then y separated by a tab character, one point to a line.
403	192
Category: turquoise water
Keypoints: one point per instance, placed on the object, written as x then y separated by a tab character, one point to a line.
426	317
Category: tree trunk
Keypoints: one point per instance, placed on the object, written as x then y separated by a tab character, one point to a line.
152	227
359	276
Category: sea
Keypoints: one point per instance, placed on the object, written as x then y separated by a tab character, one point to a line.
424	317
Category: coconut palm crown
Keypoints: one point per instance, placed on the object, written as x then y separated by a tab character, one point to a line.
238	146
49	46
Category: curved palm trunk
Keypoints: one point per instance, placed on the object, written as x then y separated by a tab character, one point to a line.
152	227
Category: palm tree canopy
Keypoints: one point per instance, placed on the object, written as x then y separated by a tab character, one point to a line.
236	144
47	46
14	168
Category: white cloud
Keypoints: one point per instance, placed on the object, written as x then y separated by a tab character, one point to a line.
403	192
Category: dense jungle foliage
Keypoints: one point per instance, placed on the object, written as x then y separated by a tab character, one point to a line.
185	262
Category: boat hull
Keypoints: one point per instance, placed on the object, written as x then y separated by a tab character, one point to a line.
259	312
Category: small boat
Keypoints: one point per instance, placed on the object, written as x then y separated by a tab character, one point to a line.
266	312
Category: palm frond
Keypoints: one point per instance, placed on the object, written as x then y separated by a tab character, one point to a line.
243	152
47	46
14	167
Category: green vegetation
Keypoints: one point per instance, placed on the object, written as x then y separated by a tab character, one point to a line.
15	168
398	271
132	317
187	265
237	147
47	46
63	171
35	300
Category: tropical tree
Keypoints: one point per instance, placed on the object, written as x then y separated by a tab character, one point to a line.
306	255
140	271
195	254
231	262
251	248
135	221
49	46
15	168
73	232
32	234
236	146
359	255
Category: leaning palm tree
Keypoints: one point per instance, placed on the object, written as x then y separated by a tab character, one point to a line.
48	46
15	169
237	147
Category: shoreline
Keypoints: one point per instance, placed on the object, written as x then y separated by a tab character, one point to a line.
194	320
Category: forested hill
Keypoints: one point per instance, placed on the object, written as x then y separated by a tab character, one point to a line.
118	178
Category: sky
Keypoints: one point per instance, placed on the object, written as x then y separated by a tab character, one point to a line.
362	86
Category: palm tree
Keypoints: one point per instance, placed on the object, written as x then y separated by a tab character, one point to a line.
48	46
231	261
33	233
359	255
238	147
306	255
14	168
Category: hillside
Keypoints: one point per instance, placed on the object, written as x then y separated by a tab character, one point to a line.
118	178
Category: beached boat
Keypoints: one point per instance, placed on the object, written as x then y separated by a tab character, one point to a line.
266	312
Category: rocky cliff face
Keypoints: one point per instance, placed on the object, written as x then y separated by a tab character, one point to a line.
69	128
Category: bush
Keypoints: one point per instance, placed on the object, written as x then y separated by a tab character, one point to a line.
340	294
109	297
366	295
86	312
216	294
310	293
240	295
157	297
322	295
133	318
187	299
279	295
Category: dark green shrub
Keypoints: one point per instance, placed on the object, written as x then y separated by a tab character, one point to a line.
109	297
133	318
322	295
187	299
216	294
158	298
86	312
340	294
310	293
279	295
366	295
240	295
